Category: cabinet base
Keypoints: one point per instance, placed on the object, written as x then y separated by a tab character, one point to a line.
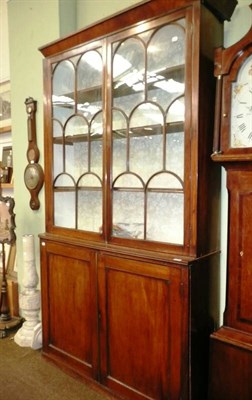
230	365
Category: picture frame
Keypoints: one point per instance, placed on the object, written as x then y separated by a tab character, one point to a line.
5	152
5	107
7	220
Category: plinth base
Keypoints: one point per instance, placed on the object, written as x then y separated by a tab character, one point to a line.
29	337
11	324
230	365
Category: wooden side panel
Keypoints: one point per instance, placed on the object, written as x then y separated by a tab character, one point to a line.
142	329
69	307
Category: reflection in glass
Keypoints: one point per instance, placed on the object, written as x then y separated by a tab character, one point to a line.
89	84
128	68
166	49
63	90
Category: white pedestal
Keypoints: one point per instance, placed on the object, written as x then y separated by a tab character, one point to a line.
30	334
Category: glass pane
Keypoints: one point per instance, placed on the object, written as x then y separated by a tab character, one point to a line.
89	180
165	75
128	180
166	48
64	180
89	84
75	126
63	90
146	141
120	143
175	153
130	204
165	221
70	161
64	209
58	165
128	207
176	111
57	129
128	74
89	198
165	180
90	210
96	136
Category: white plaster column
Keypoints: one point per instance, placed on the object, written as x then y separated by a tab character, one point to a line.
30	334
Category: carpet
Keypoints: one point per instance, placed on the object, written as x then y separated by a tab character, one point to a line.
26	375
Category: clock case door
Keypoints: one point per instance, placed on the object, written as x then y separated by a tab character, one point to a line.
228	63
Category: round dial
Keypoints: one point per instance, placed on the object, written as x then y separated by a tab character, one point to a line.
32	176
241	107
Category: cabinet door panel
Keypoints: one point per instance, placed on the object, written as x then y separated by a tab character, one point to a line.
70	327
141	353
239	313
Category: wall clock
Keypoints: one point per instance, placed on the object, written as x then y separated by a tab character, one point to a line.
33	174
241	107
233	116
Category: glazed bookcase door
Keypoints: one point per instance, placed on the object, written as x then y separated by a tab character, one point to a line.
148	192
140	98
77	136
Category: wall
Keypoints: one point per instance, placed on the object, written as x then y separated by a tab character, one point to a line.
33	23
90	11
4	43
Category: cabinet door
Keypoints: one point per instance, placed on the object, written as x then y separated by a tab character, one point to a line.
142	325
69	306
149	171
239	296
76	140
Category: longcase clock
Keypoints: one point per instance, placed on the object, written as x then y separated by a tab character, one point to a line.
231	345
